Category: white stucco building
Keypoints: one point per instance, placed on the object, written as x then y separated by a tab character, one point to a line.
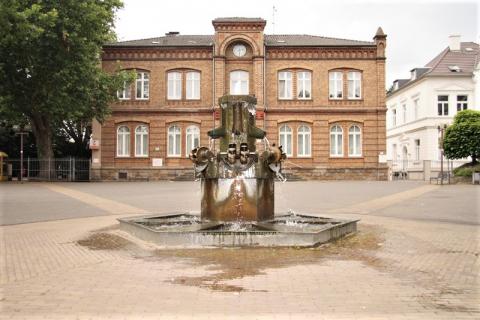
430	98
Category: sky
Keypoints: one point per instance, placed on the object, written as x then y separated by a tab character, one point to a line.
417	31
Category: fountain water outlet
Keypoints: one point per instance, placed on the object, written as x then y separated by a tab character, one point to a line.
237	185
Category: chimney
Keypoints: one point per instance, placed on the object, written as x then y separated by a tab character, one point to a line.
454	42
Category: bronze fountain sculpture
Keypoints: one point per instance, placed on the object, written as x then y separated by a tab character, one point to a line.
237	202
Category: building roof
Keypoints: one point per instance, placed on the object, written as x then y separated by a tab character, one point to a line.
287	40
238	19
447	63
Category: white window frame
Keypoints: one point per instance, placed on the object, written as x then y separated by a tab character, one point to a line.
174	85
175	132
335	85
285	80
336	151
304	85
283	132
354	83
141	136
355	135
123	142
304	134
192	134
394	117
239	82
416	106
193	79
404	112
142	83
462	105
442	105
125	93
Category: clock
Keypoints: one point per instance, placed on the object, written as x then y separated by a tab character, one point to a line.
239	50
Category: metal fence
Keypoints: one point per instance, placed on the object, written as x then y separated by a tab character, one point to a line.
58	169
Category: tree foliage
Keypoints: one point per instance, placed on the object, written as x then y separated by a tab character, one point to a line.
50	71
462	138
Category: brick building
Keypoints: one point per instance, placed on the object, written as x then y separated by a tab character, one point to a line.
322	98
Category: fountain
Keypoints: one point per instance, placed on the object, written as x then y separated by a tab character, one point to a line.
237	183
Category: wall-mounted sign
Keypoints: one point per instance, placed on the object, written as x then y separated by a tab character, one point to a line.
94	144
157	162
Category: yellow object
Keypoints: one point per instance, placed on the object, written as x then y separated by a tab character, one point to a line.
3	166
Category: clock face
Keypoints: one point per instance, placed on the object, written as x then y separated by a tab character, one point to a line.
239	50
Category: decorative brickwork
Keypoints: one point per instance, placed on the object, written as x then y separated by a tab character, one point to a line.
265	57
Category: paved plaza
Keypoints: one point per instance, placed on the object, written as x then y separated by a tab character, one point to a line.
416	256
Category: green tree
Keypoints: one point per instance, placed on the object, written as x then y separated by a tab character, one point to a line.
462	138
50	70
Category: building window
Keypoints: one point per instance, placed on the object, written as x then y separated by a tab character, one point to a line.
354	141
174	84
193	139
417	149
304	138
174	141
124	94
285	85
442	103
142	85
141	141
415	108
335	87
193	85
462	103
285	138
239	82
123	141
336	141
394	117
395	155
354	85
304	85
404	112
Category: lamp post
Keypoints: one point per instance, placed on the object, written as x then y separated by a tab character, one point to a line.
441	131
21	131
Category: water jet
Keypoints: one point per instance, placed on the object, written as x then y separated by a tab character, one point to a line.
237	203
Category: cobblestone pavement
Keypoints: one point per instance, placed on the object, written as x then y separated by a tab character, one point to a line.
394	268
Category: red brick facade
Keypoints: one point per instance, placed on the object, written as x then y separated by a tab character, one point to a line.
263	61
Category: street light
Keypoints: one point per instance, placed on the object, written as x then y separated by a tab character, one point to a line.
441	131
21	131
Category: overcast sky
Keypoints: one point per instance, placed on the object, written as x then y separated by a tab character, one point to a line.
417	31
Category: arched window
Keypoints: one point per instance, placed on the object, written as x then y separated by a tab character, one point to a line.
141	141
193	85
354	141
304	85
142	85
174	83
174	141
193	139
285	85
335	85
304	141
285	139
239	82
354	85
336	141
123	141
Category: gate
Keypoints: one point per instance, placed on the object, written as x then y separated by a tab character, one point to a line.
57	169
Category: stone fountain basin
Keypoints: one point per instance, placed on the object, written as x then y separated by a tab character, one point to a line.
188	230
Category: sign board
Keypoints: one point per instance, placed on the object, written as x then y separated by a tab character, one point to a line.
94	144
382	158
157	162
